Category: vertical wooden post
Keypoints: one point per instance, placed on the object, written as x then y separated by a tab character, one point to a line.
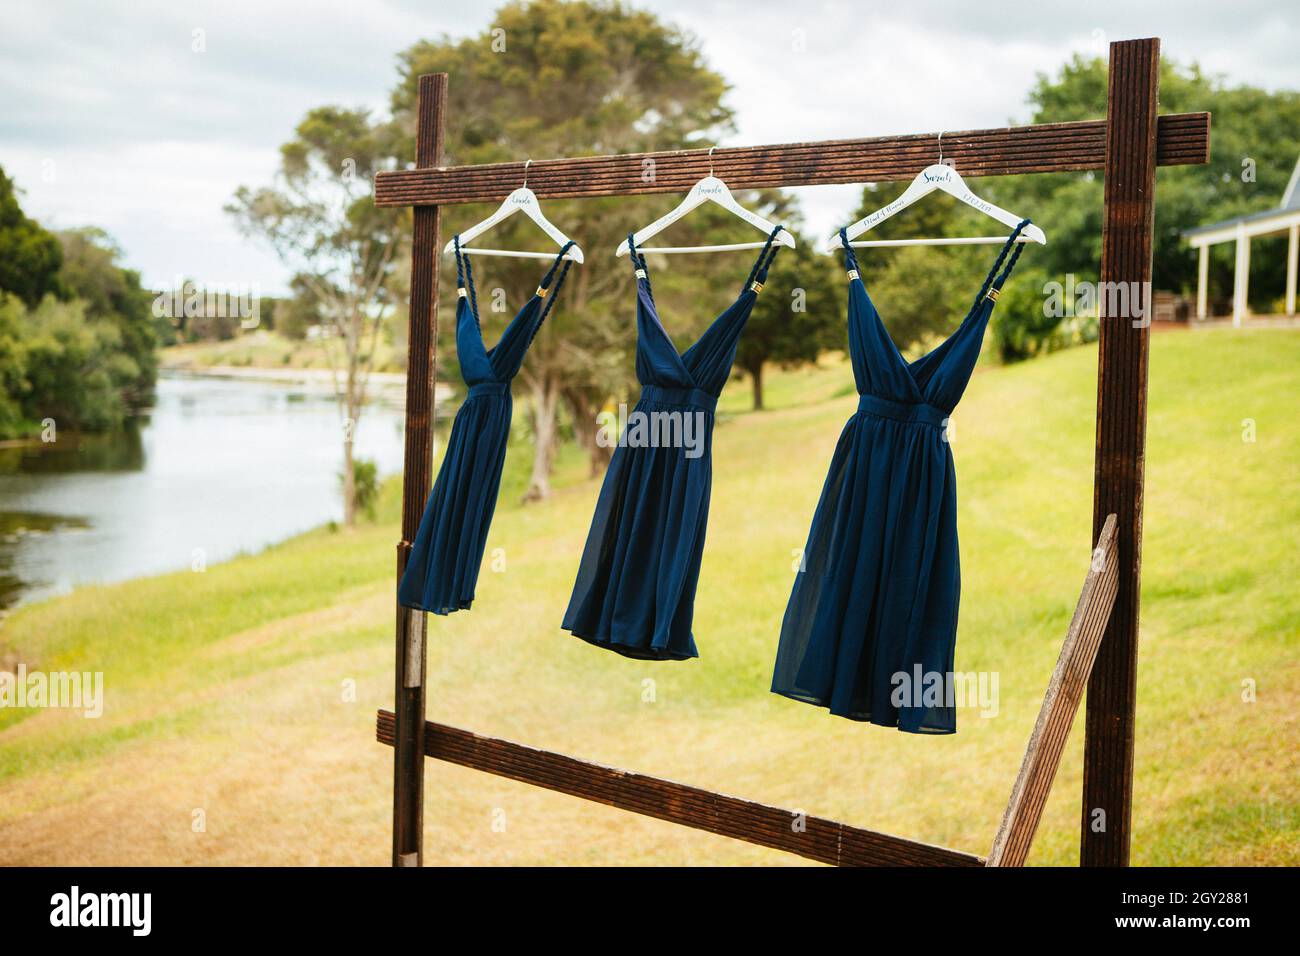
421	377
1127	233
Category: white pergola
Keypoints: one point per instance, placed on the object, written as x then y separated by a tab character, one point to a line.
1285	218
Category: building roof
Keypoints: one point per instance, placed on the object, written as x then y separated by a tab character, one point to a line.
1290	204
1291	198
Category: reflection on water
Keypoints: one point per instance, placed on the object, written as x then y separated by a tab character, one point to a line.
217	468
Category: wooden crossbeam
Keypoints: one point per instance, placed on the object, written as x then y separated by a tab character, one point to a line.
1060	704
1182	139
813	837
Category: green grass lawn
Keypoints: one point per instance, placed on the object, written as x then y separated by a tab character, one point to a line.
243	698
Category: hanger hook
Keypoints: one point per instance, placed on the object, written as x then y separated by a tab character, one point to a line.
527	163
940	147
711	149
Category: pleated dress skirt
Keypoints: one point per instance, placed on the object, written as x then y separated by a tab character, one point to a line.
443	568
872	618
635	590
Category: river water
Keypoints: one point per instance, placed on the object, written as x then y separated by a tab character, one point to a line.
217	468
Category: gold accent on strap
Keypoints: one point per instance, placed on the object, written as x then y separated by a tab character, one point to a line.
992	295
460	291
853	274
756	286
541	292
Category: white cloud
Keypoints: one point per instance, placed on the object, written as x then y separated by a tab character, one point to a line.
149	138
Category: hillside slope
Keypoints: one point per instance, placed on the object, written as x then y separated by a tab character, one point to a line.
248	692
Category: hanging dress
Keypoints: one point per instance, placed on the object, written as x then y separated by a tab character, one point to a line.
635	592
443	567
876	595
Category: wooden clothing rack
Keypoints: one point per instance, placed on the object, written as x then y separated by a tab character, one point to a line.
1100	648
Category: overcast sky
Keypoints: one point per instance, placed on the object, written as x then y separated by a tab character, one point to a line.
109	118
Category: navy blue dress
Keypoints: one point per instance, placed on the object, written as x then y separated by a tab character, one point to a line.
877	592
635	592
443	567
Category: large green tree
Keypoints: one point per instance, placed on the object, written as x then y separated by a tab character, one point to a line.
78	372
553	78
13	365
91	272
83	358
29	254
1256	140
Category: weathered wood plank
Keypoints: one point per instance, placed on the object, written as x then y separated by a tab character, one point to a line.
817	839
1045	148
421	371
1060	704
1128	228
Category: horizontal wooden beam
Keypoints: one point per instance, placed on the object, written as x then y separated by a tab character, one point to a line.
1060	704
815	838
1182	139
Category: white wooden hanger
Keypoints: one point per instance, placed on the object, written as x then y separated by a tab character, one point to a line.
522	200
708	189
936	176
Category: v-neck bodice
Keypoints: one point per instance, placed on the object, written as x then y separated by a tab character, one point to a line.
480	365
706	365
939	377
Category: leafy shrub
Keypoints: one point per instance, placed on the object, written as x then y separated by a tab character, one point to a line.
366	477
1023	327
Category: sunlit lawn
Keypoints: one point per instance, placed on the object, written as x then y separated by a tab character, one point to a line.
230	692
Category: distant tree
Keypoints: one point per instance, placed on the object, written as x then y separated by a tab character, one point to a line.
77	337
77	371
799	315
29	255
922	293
300	312
553	78
320	219
13	365
91	273
1022	328
1256	141
268	313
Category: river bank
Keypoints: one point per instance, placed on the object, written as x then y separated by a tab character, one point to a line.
219	466
263	356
